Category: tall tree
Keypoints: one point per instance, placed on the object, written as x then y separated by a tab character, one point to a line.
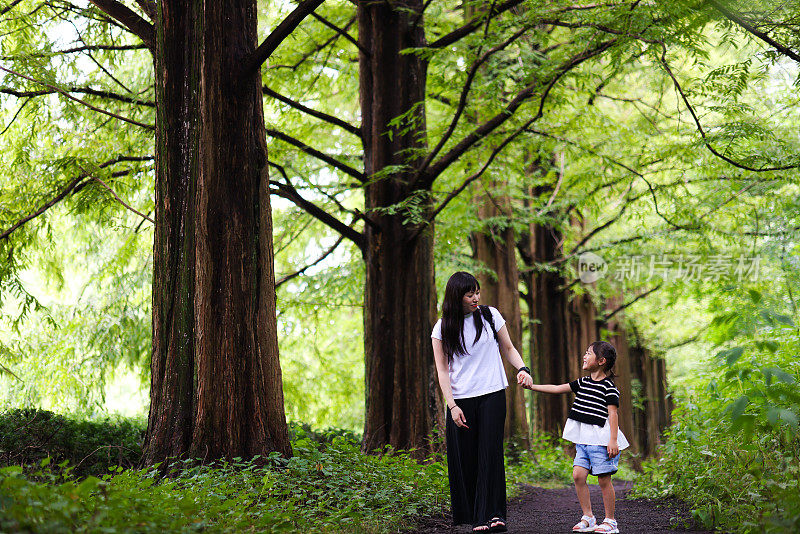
400	296
494	246
216	386
216	379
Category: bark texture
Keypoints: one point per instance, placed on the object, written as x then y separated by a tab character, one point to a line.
177	61
403	406
495	248
216	381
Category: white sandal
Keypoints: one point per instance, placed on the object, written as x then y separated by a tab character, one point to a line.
608	526
586	524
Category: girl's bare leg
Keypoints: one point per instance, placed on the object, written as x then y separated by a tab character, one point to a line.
608	494
579	475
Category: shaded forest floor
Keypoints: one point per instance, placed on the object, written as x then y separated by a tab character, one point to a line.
540	510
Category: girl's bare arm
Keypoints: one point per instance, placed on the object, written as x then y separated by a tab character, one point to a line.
613	422
551	388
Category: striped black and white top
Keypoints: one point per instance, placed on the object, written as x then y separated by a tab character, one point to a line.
592	398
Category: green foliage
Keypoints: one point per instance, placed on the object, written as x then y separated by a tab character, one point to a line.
734	449
328	485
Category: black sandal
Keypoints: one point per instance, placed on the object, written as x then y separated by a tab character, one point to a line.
477	528
497	525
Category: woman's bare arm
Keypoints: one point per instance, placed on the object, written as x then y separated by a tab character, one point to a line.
511	354
442	371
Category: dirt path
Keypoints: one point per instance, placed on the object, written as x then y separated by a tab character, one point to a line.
539	510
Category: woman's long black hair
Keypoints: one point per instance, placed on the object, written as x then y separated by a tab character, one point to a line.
453	315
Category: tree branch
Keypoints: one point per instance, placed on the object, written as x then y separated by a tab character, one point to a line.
472	25
734	17
317	49
297	273
453	194
341	32
317	154
313	112
462	102
149	8
287	191
129	19
78	49
14	118
607	317
284	29
9	7
116	196
663	60
66	94
490	125
81	90
67	190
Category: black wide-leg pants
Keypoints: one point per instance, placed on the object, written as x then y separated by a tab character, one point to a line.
475	463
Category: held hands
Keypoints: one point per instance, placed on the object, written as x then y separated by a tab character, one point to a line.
524	379
458	417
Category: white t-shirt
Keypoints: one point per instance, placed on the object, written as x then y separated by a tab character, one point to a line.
480	370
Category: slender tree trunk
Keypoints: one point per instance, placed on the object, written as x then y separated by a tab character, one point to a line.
561	324
625	349
549	323
402	402
495	249
216	380
651	415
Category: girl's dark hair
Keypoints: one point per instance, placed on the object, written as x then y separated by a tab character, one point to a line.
453	315
604	349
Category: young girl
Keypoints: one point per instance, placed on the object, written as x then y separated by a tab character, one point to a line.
593	425
467	343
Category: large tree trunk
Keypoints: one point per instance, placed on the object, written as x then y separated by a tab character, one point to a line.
216	382
495	248
402	404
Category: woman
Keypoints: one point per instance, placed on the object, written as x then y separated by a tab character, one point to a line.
467	343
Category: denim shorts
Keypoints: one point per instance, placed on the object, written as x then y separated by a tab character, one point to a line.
595	459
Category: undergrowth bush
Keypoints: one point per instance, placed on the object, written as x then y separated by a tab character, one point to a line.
27	436
733	451
329	485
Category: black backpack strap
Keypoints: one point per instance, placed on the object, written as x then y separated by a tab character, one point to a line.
487	314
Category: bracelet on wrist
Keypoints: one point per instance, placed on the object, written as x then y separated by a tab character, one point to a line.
523	368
